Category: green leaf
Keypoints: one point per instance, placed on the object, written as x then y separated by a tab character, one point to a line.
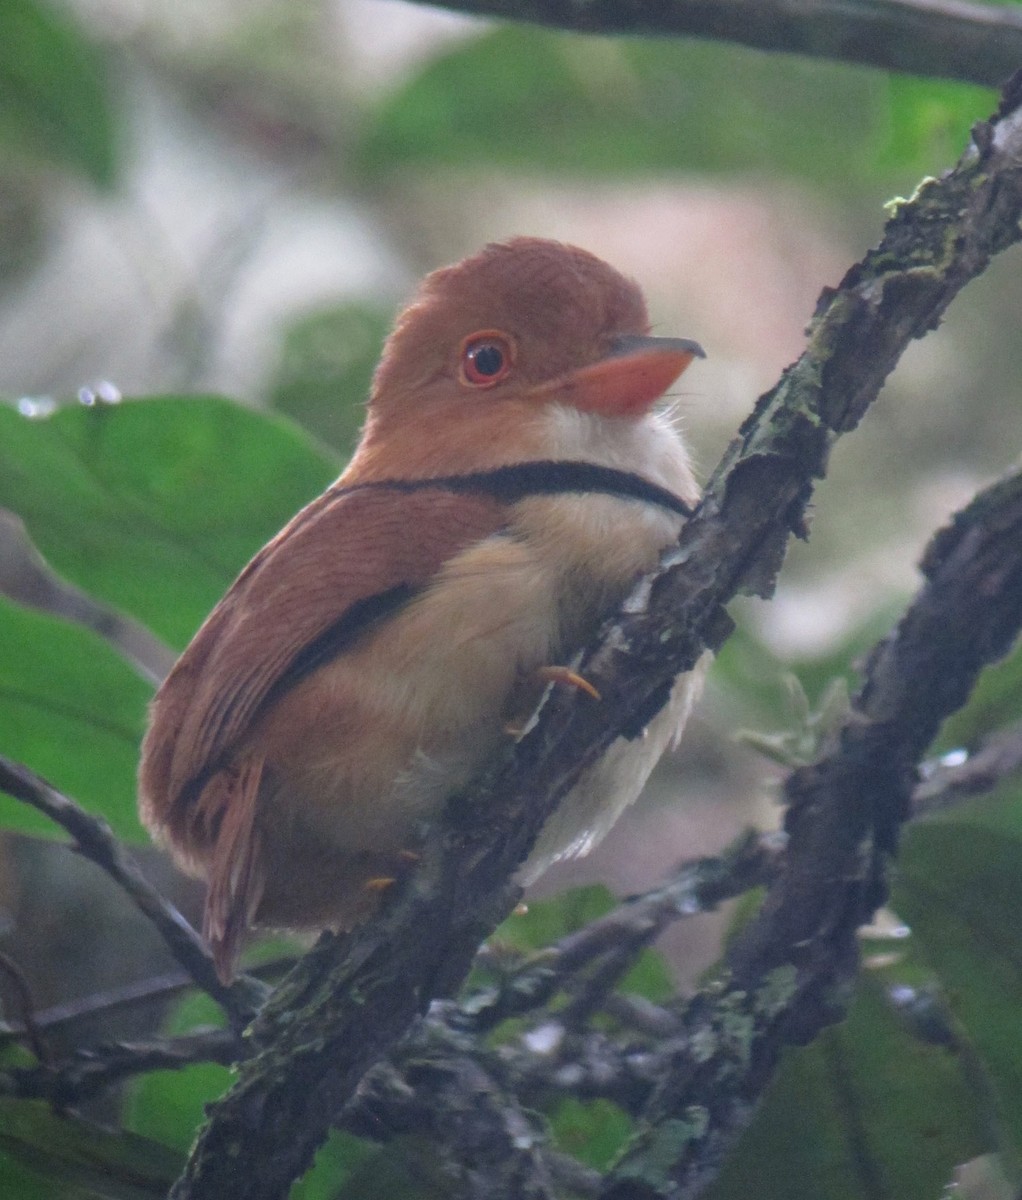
326	370
339	1160
891	1102
546	921
998	811
73	710
26	1184
406	1168
526	98
83	1158
959	888
867	1110
54	93
650	978
593	1132
995	701
155	505
169	1106
928	118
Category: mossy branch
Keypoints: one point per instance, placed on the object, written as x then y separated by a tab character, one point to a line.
353	997
977	43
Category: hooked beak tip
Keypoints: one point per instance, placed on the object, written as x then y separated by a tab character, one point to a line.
628	380
628	344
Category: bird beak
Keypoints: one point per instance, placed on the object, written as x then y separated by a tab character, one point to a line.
635	373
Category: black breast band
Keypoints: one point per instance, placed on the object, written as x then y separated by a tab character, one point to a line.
518	481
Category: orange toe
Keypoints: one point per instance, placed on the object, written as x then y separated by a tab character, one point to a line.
567	675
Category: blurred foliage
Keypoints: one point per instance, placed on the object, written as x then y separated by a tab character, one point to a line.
168	1106
55	1156
55	99
73	710
959	887
925	120
58	114
326	369
543	922
535	100
547	921
801	741
154	505
869	1109
157	489
594	1131
926	1073
996	701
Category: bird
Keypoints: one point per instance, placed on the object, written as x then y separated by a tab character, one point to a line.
513	480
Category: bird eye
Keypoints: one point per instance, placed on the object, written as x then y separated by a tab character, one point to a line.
485	359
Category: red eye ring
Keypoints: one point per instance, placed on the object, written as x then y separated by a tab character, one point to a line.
486	358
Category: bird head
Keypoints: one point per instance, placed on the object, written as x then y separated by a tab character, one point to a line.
488	345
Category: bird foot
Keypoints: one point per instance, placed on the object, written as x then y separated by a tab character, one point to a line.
380	884
567	675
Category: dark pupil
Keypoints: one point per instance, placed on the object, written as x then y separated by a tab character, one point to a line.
488	360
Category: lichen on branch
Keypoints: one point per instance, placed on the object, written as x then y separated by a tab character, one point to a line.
353	997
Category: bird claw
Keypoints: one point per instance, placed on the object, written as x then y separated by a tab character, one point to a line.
380	884
567	675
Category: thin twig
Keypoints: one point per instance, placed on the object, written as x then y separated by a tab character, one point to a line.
548	1063
93	839
695	887
89	1071
32	1031
642	1015
140	992
950	39
945	783
130	995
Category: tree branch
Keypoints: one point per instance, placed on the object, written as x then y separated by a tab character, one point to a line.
790	968
89	1071
585	1063
352	997
138	993
976	43
627	929
93	839
944	784
588	1066
966	616
556	1056
449	1091
30	1030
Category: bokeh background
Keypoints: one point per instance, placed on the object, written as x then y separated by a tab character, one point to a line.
234	196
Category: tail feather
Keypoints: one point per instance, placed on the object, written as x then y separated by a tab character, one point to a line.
235	869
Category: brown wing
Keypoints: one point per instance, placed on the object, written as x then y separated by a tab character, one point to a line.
323	579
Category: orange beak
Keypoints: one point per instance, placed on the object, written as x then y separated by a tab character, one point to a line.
636	372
